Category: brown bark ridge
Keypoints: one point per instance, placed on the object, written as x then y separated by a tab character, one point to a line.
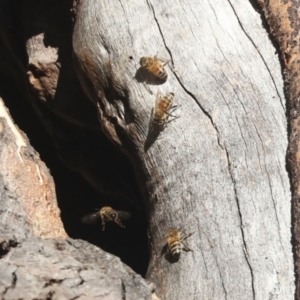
219	169
283	19
28	200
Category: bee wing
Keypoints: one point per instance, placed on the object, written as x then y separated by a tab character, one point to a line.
91	218
163	60
162	242
123	215
157	100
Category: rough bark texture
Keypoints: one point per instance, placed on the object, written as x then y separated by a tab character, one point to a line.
219	169
283	19
65	269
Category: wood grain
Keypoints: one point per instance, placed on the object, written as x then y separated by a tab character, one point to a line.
219	169
283	21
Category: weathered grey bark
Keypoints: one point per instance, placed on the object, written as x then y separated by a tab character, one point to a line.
65	269
219	169
283	19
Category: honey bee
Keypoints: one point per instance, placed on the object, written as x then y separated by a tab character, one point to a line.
175	241
155	66
106	214
162	107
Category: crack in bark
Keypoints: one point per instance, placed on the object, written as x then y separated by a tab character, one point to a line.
178	79
200	231
14	279
202	109
271	191
161	33
220	49
261	56
127	22
123	290
49	296
222	282
216	261
235	92
241	223
13	283
218	136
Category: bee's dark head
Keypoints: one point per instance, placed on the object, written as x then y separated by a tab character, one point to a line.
143	61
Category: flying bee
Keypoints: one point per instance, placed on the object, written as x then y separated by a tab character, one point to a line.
175	242
106	214
155	66
162	107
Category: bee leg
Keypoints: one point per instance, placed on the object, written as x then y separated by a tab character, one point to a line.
185	247
169	113
119	222
103	221
163	60
185	237
165	63
174	107
169	121
188	235
165	125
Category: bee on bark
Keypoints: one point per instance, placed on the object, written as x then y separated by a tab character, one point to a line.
106	214
176	242
161	111
155	66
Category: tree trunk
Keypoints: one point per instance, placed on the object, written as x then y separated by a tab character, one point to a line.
283	19
219	169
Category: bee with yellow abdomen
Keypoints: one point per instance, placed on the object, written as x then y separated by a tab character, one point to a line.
106	214
162	107
155	66
175	241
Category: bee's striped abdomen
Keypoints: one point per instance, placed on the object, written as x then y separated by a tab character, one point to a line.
175	240
161	73
175	248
